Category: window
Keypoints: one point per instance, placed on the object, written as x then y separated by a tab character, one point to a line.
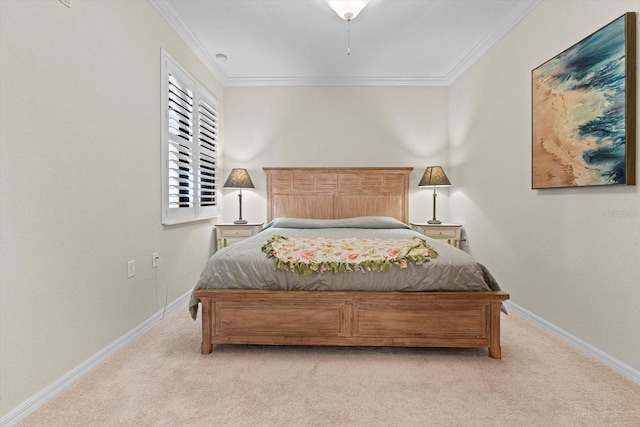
189	147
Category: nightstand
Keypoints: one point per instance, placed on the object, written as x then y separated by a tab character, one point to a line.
449	232
226	231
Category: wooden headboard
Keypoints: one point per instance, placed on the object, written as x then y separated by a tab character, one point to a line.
333	193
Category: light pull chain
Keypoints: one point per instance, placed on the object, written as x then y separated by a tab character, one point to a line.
349	37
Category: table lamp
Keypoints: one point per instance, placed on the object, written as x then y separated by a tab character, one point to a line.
239	178
434	176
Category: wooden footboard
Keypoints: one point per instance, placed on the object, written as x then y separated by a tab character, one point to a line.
408	319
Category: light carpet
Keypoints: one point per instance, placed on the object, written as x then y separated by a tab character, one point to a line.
161	379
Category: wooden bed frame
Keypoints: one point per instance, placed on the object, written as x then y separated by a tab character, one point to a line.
356	318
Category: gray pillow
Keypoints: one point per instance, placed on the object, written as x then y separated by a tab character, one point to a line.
356	222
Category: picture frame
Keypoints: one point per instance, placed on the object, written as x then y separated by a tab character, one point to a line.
584	111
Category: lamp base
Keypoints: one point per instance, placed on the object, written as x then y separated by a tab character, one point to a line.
434	221
240	221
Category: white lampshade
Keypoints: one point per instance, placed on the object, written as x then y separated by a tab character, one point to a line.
347	9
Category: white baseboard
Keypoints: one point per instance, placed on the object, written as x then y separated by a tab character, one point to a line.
31	405
594	352
45	395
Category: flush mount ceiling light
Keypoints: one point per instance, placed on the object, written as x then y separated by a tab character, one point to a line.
347	9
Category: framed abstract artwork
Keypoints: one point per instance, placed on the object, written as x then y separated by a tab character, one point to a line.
584	111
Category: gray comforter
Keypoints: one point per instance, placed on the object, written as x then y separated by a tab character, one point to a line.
243	265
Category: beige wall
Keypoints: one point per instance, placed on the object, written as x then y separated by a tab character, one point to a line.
80	184
558	252
334	126
80	178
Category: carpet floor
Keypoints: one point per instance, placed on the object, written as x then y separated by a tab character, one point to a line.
161	379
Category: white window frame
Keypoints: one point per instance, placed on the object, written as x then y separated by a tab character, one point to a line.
194	146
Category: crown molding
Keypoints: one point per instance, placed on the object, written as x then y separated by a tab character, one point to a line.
337	81
516	15
169	13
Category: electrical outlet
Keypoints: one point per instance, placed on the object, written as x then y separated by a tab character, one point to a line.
131	269
155	257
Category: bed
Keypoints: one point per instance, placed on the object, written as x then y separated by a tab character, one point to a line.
246	300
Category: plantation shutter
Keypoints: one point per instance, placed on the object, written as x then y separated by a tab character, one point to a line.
190	148
180	162
207	153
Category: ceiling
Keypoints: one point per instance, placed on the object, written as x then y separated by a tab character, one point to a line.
304	42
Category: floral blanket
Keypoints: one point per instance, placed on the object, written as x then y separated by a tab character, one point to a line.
320	255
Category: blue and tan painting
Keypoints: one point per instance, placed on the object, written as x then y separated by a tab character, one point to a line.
579	128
